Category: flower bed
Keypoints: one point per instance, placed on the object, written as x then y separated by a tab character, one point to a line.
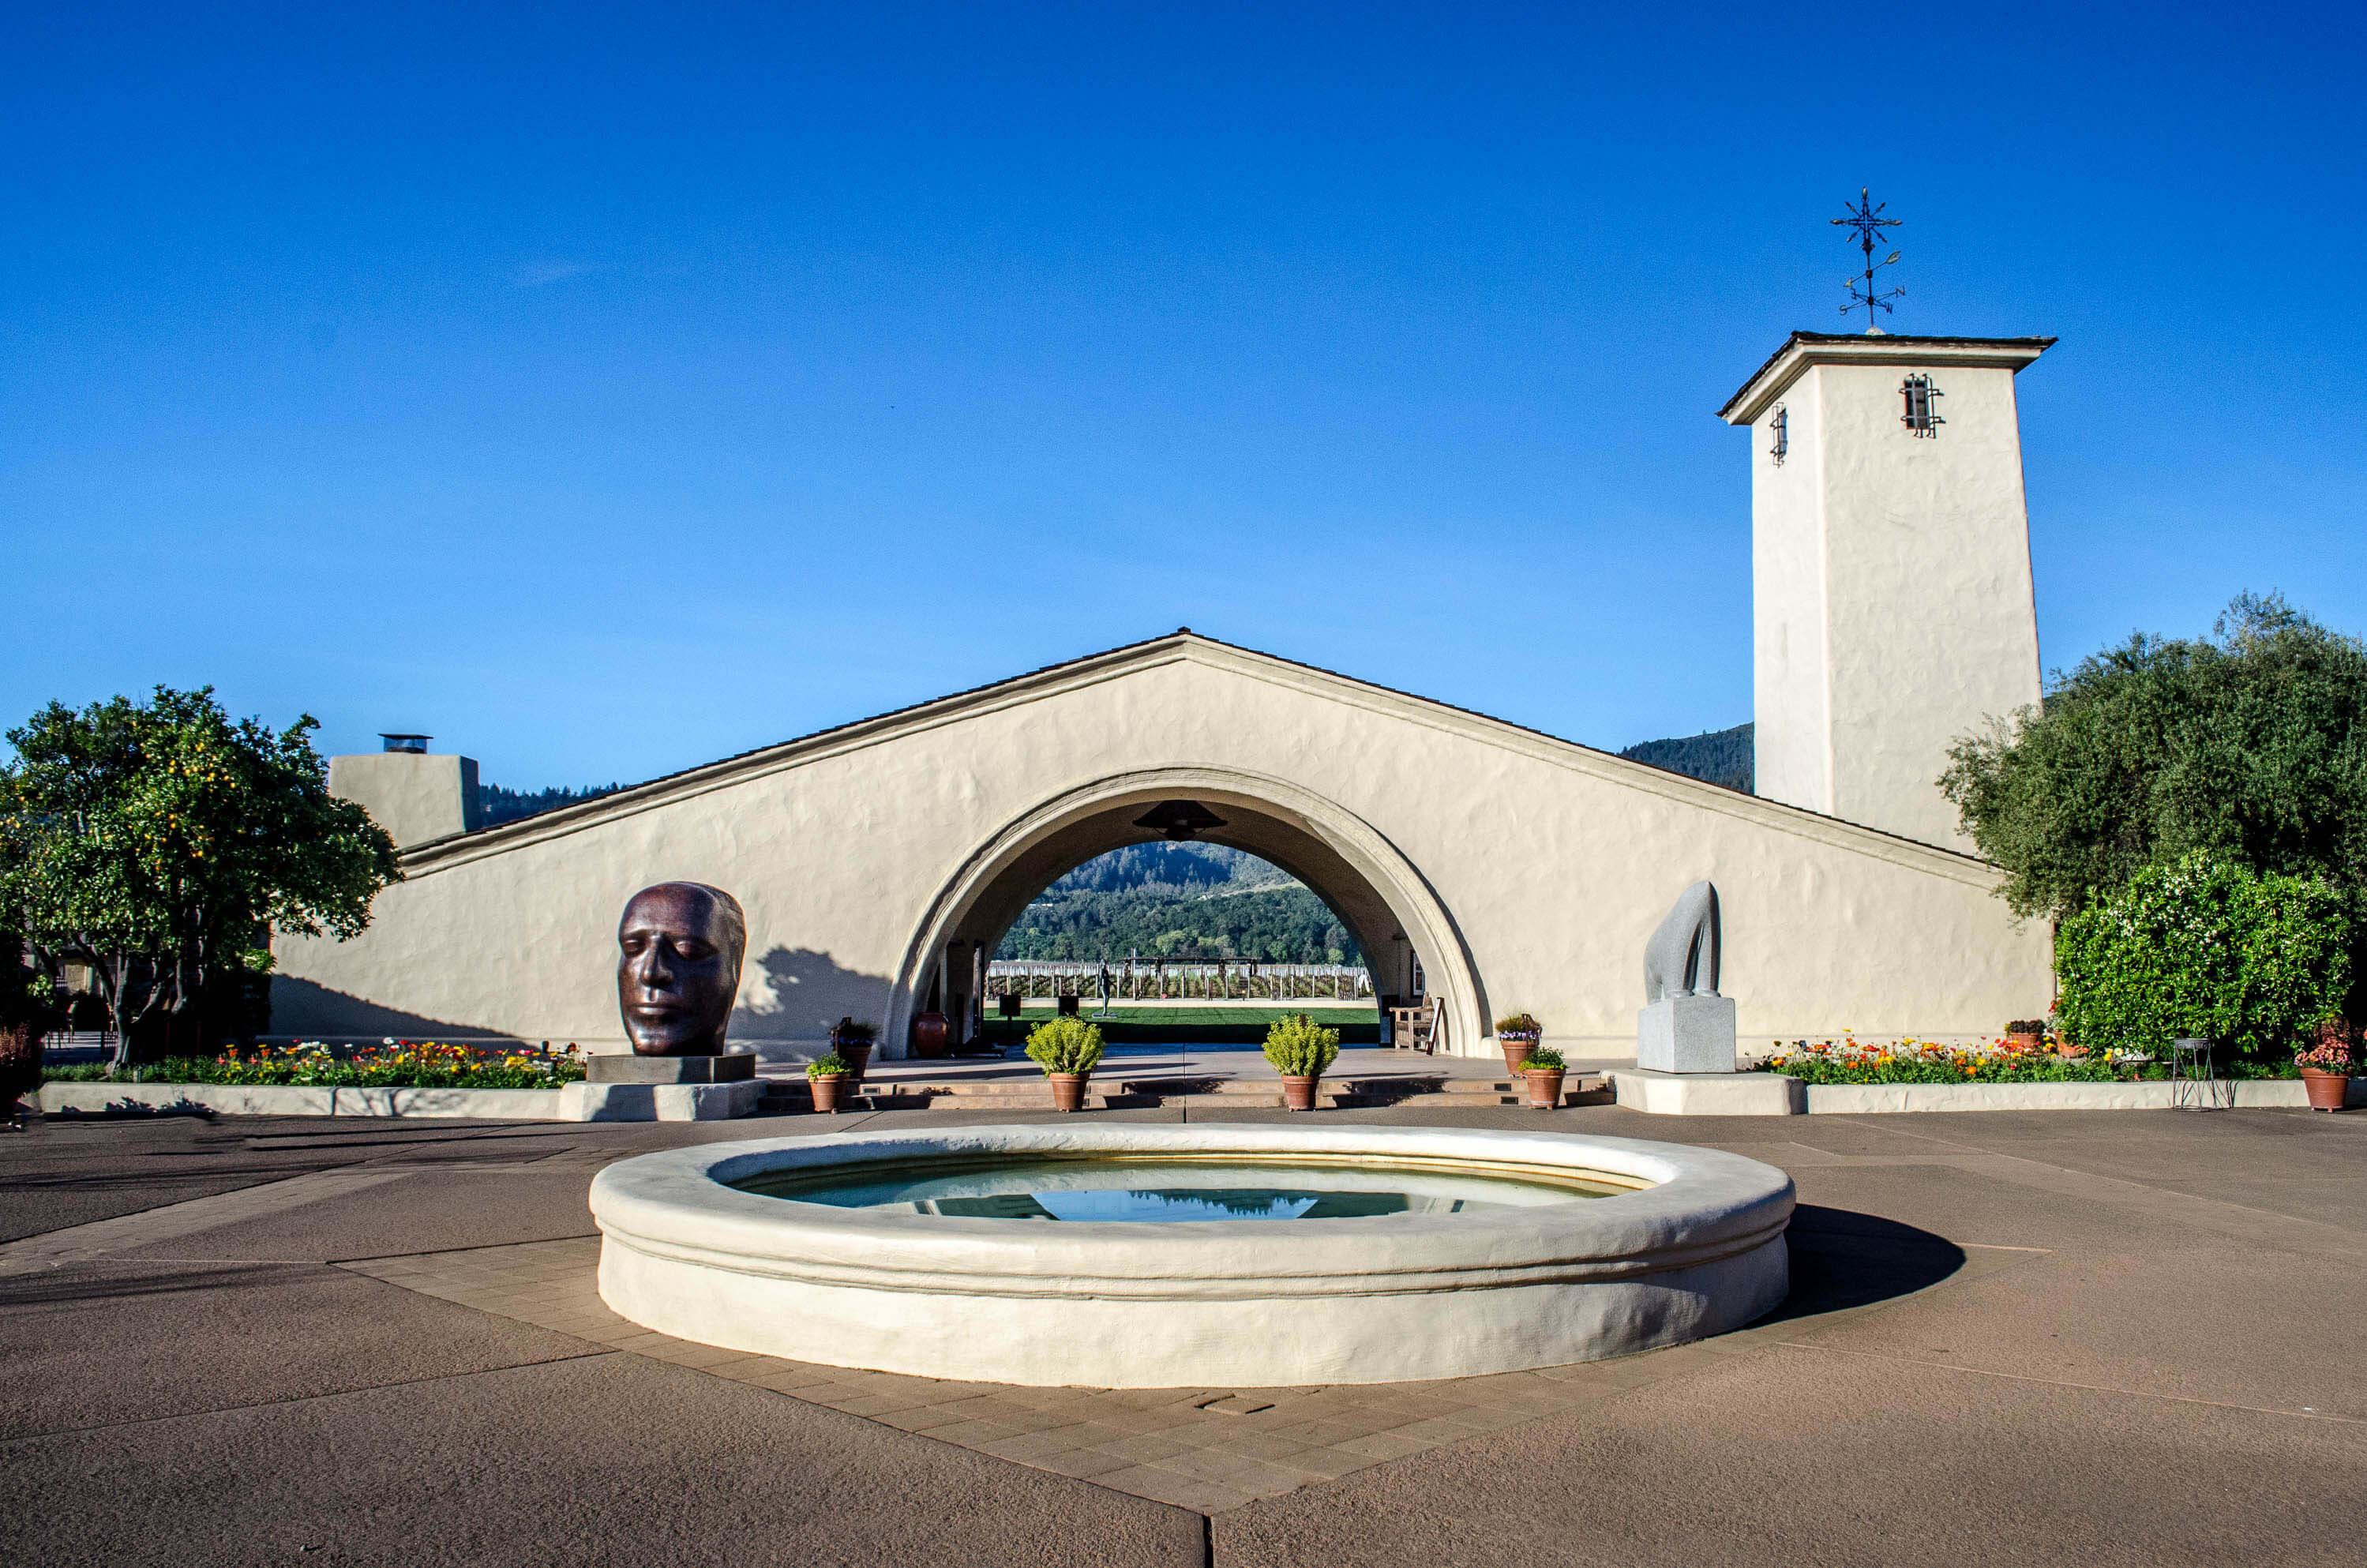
1922	1061
1847	1061
394	1065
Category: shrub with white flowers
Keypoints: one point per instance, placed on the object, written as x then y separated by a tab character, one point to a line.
2205	946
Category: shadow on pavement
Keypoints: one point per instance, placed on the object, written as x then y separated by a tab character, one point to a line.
110	1280
1842	1259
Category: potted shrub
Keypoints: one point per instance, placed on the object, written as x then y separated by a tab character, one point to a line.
1299	1049
1068	1048
1544	1068
852	1041
2026	1034
826	1077
1517	1034
2325	1068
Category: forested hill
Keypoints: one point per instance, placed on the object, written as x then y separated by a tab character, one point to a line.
496	805
1180	901
1720	757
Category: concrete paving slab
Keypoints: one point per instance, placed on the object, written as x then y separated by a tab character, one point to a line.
128	1232
2000	1335
2159	1314
1805	1457
515	1467
54	1175
112	1343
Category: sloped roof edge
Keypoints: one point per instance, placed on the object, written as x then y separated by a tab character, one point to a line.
1183	643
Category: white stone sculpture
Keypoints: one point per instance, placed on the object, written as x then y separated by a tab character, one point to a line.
1685	1026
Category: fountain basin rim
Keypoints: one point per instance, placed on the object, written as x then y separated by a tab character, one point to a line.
1702	1205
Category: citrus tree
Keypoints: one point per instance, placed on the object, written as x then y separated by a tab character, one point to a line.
159	842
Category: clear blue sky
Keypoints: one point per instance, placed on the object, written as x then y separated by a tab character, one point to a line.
606	389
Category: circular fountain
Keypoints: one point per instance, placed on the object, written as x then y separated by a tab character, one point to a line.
1158	1256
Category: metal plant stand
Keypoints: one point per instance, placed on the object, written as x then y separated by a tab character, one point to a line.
2193	1077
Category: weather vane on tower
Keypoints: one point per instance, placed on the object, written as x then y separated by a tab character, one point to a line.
1866	220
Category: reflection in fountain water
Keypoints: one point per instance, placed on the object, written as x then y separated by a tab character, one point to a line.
1115	1190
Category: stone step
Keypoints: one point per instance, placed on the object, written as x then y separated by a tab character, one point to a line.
786	1097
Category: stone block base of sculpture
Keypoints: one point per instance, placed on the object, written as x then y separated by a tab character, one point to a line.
622	1069
1686	1034
660	1102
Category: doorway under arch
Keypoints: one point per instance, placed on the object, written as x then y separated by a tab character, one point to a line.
1392	911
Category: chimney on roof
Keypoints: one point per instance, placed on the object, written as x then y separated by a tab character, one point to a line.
414	796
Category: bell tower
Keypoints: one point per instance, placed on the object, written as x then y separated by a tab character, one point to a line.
1891	597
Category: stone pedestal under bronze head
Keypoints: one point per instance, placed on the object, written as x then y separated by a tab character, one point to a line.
679	968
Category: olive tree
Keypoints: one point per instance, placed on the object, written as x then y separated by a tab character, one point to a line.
2249	745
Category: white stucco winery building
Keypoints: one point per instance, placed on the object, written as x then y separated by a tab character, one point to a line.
1894	613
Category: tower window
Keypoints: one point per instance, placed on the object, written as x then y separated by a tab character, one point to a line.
1921	418
1780	425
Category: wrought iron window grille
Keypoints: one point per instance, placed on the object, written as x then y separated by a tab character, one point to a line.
1921	418
1780	425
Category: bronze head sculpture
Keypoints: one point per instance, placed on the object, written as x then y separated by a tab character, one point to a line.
679	968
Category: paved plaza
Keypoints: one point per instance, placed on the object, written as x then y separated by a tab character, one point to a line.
2052	1337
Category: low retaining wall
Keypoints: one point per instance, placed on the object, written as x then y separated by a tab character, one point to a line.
1774	1093
2227	1094
243	1100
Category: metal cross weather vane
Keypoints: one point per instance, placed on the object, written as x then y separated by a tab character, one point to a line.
1866	219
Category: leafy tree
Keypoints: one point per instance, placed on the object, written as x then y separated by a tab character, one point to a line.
156	841
2250	745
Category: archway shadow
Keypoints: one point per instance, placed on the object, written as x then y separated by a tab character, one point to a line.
810	992
1842	1259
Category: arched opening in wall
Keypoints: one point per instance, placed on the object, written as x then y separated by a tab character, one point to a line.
1374	900
1178	938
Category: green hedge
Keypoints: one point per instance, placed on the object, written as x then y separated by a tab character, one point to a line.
2205	946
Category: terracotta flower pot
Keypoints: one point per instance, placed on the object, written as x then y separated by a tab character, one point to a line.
931	1036
2022	1039
1069	1090
826	1087
2326	1089
858	1062
1515	1053
1544	1088
1298	1092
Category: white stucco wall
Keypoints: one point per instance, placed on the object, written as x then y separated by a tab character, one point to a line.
1551	863
1892	583
1930	615
1792	736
